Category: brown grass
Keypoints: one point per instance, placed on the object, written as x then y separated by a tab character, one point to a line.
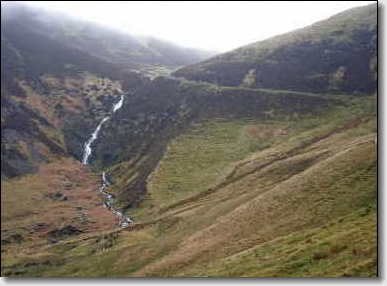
26	200
302	207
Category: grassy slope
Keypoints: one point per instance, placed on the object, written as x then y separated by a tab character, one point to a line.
303	206
30	210
200	158
342	247
320	182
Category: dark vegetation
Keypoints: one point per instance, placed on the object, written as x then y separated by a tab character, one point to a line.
82	38
27	57
37	44
334	55
259	162
164	108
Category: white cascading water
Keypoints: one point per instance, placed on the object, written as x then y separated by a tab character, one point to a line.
124	221
118	105
94	136
87	150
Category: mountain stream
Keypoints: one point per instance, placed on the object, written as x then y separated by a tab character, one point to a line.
124	221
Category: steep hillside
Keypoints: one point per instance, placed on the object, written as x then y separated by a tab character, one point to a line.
60	75
51	94
262	162
57	202
49	116
335	55
124	51
132	143
304	205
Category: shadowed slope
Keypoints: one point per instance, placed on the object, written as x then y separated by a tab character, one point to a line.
337	54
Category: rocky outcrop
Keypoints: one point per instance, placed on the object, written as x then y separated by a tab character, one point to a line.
58	234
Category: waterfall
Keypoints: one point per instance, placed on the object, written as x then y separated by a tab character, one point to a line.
94	136
124	221
87	149
118	105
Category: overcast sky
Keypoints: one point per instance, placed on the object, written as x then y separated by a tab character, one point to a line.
216	26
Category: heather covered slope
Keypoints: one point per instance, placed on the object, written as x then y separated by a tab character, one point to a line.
51	93
335	55
49	116
60	75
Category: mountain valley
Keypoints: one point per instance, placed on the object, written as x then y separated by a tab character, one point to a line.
259	162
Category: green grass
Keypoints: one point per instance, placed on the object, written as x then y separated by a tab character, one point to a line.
300	204
203	156
342	247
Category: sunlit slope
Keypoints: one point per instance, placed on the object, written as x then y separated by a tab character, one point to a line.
343	247
301	202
